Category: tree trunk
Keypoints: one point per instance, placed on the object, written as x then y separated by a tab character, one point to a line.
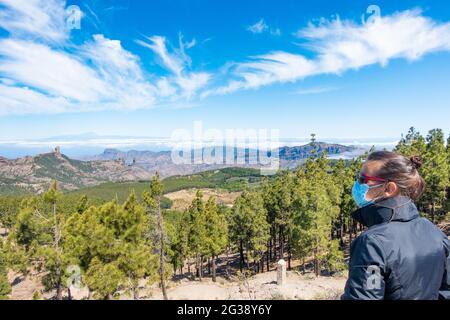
56	239
209	266
281	240
270	250
201	268
135	293
162	273
197	266
289	258
316	263
213	261
241	252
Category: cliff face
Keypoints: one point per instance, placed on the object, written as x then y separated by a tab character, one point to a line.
34	174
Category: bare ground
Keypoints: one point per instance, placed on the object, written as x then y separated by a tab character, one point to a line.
261	286
182	199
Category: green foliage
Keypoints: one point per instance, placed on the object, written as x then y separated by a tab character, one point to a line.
152	200
8	211
249	228
230	179
435	170
5	287
316	204
216	228
37	234
111	246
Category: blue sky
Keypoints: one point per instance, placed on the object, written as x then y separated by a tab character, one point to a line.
146	68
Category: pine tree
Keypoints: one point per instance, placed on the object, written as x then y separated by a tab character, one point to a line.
413	144
5	286
216	232
197	231
178	234
249	228
38	231
316	209
436	173
153	201
110	244
278	203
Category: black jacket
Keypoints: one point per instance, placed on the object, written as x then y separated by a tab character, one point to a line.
401	256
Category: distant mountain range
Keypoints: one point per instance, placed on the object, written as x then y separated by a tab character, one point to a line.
34	174
290	157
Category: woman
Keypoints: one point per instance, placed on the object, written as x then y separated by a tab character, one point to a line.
401	255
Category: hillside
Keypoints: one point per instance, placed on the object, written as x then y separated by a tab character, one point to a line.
227	179
34	174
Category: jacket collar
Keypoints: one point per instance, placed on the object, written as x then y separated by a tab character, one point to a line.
400	208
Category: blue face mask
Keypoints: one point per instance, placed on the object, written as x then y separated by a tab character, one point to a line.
359	193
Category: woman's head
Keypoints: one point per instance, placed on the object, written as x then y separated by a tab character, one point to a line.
390	174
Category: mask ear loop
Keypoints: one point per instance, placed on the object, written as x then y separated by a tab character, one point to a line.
381	198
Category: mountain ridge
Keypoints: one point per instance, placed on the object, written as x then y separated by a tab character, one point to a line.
34	174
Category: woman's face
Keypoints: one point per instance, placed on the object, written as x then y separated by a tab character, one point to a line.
383	190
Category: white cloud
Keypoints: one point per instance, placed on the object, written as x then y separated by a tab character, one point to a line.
44	19
178	63
258	27
23	100
262	27
316	90
54	72
158	45
41	71
121	70
342	45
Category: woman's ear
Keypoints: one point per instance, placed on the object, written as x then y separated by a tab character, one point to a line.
391	190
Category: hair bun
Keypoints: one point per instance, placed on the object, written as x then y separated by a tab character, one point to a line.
417	162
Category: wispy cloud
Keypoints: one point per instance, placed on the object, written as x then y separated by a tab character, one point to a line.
43	19
261	26
316	90
42	71
178	63
340	45
258	27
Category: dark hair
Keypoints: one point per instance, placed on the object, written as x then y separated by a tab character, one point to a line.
401	170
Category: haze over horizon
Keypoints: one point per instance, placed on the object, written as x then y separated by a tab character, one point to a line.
89	144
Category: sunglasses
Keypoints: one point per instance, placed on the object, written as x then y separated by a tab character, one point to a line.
364	178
